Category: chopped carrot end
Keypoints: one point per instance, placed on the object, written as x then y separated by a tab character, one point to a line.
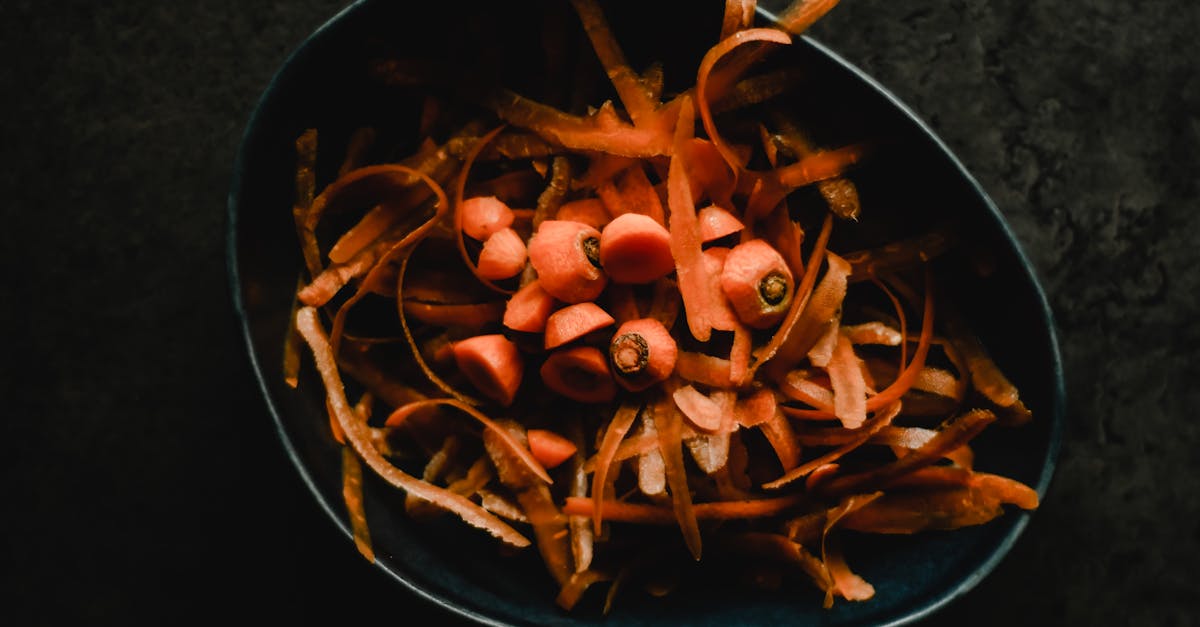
573	322
635	248
580	373
566	256
549	448
484	215
503	255
492	364
643	353
528	309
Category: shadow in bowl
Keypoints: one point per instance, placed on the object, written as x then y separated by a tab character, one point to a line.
909	184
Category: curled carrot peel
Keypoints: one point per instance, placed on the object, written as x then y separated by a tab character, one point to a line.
706	65
617	428
670	446
459	193
358	436
685	235
623	511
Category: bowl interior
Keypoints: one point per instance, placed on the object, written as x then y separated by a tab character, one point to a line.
910	183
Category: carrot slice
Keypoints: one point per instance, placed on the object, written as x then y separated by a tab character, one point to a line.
716	223
758	283
528	309
566	256
580	373
492	364
590	211
710	59
460	205
635	249
621	421
643	353
573	322
503	255
359	437
484	215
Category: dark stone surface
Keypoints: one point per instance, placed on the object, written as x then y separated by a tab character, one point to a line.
142	482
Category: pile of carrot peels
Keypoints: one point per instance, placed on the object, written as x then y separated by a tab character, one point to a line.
574	327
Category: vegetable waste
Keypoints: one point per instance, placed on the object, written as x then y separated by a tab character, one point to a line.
596	330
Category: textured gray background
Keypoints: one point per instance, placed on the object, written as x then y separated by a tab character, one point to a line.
141	481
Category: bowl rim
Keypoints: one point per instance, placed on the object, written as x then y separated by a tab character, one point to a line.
921	608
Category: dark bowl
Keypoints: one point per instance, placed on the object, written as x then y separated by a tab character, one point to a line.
913	181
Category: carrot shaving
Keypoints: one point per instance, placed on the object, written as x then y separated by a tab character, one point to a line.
617	428
576	585
634	96
600	132
306	181
860	437
706	65
359	437
459	192
670	446
849	388
739	14
471	315
782	438
352	494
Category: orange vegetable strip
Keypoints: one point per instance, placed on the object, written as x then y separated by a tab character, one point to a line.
402	413
624	511
590	211
936	381
636	194
985	375
906	513
528	309
877	423
493	364
797	387
908	375
703	97
755	409
549	524
847	584
739	14
471	315
849	388
953	434
701	411
651	467
782	438
685	235
708	173
799	302
603	167
352	494
621	421
873	332
573	589
1006	490
501	506
291	347
801	14
459	192
632	446
359	437
582	537
580	373
634	248
703	369
573	322
600	132
787	236
628	84
358	237
484	215
511	145
756	89
824	304
670	445
821	352
739	355
566	256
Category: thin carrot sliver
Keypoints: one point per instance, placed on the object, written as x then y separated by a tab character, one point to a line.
470	315
670	445
621	421
352	494
860	437
685	234
624	511
628	84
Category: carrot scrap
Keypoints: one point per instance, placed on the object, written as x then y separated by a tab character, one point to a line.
528	309
617	428
470	315
484	215
624	511
717	223
643	353
492	364
574	322
758	283
701	411
579	373
590	211
635	249
566	256
352	494
670	446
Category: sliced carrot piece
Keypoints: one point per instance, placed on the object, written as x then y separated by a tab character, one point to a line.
716	223
635	249
566	256
758	283
573	322
503	255
492	364
549	448
590	211
484	215
580	373
643	353
528	309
